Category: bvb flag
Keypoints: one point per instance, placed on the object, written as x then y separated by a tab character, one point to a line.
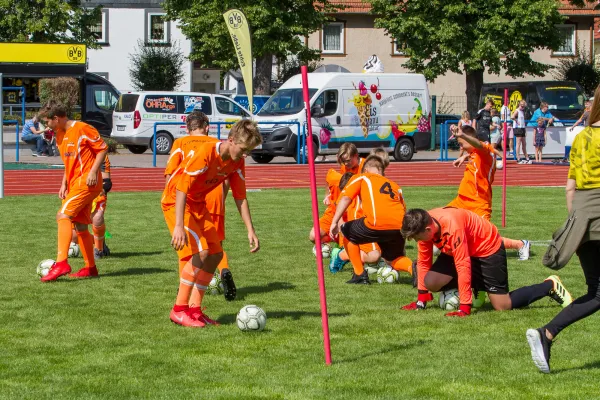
240	35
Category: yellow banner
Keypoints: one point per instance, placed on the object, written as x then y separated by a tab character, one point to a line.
38	53
240	35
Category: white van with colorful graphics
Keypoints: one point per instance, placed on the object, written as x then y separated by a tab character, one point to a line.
136	113
370	110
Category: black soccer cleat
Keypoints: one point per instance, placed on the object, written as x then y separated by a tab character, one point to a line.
362	279
540	347
105	250
229	290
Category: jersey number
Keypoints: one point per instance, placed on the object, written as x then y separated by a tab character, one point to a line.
386	188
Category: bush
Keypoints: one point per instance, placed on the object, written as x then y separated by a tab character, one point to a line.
60	90
291	67
112	145
156	67
580	69
13	117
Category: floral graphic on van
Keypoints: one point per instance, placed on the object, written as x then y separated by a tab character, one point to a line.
325	133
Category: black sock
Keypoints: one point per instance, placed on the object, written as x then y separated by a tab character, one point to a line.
579	309
524	296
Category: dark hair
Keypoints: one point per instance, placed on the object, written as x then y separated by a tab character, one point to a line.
374	161
52	110
414	222
196	120
468	130
345	179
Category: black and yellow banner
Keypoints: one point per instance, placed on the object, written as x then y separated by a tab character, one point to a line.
42	53
240	35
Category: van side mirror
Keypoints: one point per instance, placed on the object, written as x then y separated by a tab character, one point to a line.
317	111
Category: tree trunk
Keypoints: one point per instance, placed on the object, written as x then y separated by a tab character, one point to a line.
262	79
474	84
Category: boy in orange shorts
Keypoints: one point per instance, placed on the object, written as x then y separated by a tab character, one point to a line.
197	127
193	232
82	151
475	190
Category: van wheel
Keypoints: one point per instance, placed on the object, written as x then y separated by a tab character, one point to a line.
136	149
404	150
262	158
164	142
304	150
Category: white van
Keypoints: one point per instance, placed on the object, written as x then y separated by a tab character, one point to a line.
136	113
369	110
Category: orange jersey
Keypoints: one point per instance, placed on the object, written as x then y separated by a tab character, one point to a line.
475	190
354	210
381	198
200	172
463	234
181	147
78	147
215	200
356	170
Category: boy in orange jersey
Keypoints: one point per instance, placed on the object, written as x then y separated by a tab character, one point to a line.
475	190
472	258
83	152
197	124
383	207
193	233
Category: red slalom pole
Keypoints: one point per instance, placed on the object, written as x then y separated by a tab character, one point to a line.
315	215
504	166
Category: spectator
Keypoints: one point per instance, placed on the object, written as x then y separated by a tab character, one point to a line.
483	120
542	112
496	135
518	117
33	134
586	113
539	137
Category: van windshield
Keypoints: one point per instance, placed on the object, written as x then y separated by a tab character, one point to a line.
285	102
562	97
127	103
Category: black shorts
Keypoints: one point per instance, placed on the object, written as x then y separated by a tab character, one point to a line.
391	242
488	274
519	132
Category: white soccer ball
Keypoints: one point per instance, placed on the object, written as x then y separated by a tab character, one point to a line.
499	164
73	250
387	275
436	251
44	267
449	300
372	268
215	286
325	250
251	318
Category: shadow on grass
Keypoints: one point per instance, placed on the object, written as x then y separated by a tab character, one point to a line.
135	271
127	254
293	315
242	292
590	365
385	350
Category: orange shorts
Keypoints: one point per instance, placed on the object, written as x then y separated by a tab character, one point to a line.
200	231
99	203
326	219
369	247
481	209
78	204
219	221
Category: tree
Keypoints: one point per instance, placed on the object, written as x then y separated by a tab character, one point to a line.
471	36
48	21
277	29
61	90
580	69
156	67
291	67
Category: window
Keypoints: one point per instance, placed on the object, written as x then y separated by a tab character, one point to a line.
157	28
105	99
398	49
127	103
100	28
227	107
196	103
567	33
328	102
333	38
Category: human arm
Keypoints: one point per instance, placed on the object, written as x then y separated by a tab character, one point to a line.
424	262
179	238
473	141
462	261
244	210
92	177
62	193
577	122
570	192
340	209
460	160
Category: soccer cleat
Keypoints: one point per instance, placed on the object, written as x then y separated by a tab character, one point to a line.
184	318
559	293
540	349
336	264
85	272
415	277
105	250
524	251
478	298
97	254
362	279
229	290
58	269
198	313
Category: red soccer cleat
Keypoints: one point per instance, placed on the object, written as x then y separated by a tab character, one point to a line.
58	269
85	272
184	318
198	313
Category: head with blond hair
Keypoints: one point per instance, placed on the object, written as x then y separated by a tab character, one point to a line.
381	153
466	116
374	164
243	138
347	155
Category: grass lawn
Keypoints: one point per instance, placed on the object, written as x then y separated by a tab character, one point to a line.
111	338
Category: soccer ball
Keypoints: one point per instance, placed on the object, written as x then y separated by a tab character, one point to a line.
251	318
215	286
499	164
387	275
436	251
325	250
44	267
372	268
73	250
449	300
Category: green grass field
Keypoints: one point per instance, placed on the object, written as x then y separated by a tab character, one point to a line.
110	338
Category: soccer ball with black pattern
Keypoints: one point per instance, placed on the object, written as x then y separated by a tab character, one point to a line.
387	275
251	318
449	300
215	286
74	250
372	268
44	267
325	250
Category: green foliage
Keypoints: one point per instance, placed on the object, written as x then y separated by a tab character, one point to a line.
61	90
292	66
156	66
580	69
48	21
12	117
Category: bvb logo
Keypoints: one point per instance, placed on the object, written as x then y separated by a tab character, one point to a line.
515	98
235	20
75	53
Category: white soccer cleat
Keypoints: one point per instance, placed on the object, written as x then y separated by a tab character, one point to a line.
524	251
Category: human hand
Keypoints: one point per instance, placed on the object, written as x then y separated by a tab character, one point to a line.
254	243
421	303
179	239
62	193
327	200
92	179
463	311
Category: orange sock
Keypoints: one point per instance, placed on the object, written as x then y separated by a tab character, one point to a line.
186	283
354	254
64	239
224	264
202	280
512	244
86	245
402	264
99	232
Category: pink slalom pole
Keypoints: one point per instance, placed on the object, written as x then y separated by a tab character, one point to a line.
315	215
504	159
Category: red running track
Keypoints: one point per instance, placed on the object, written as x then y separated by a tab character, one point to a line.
24	182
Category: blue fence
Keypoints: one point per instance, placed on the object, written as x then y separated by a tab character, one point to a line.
301	148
